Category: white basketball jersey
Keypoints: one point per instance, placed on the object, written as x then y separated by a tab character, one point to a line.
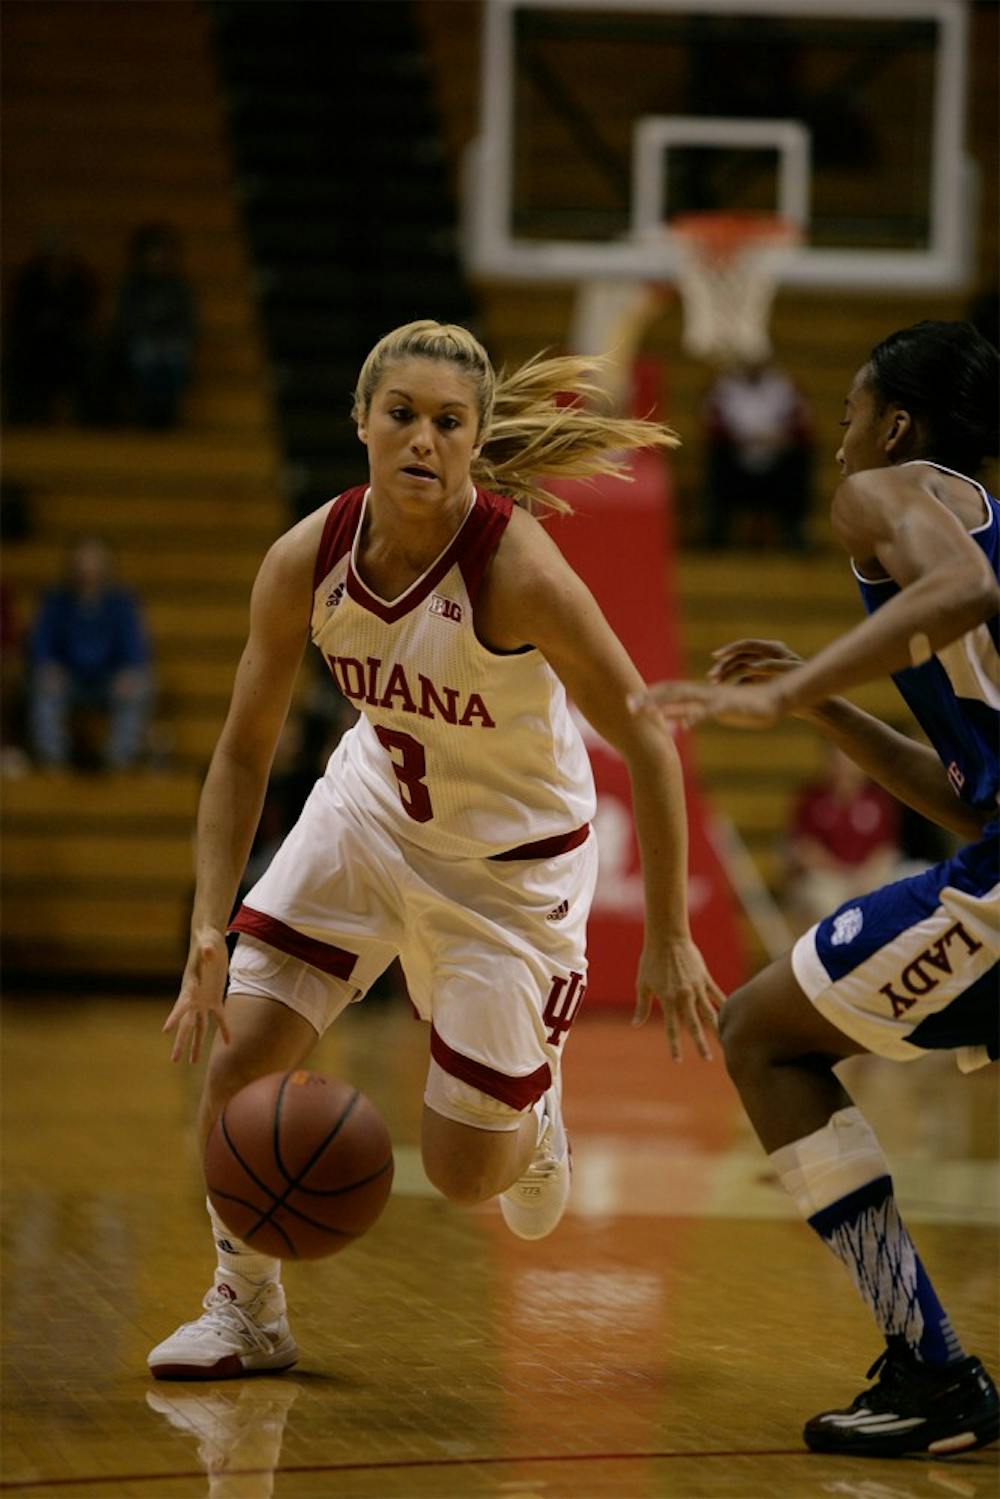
465	751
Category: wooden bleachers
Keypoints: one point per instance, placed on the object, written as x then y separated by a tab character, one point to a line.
112	117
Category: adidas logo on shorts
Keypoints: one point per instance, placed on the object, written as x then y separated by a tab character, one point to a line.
560	911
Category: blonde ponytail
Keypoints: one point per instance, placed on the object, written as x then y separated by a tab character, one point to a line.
527	432
531	435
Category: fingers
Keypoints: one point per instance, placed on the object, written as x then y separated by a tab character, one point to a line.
188	1038
643	1005
200	997
751	661
753	649
699	1012
673	1035
667	694
693	1005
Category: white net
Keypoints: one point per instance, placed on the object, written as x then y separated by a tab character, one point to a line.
728	271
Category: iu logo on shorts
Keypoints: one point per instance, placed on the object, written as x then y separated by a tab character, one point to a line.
565	998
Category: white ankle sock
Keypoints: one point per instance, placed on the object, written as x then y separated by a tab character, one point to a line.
243	1268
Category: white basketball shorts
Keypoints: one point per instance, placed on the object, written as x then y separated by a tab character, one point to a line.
493	949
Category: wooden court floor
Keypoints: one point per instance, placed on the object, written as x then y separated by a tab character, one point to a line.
668	1340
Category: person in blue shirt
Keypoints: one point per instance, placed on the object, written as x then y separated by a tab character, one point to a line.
88	650
914	966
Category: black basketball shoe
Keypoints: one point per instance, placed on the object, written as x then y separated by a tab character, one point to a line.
912	1407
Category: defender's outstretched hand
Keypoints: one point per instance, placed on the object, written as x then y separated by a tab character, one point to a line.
201	996
675	974
743	688
746	661
690	703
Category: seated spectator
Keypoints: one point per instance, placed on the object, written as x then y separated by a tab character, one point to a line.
153	331
13	761
843	840
759	459
50	335
88	651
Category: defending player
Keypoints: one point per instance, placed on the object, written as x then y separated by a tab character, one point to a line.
451	827
914	966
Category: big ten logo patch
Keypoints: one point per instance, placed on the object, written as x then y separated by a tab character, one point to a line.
446	608
565	999
918	978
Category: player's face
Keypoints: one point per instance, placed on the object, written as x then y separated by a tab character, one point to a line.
422	432
866	428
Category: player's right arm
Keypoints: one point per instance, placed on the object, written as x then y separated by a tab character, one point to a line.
233	793
908	770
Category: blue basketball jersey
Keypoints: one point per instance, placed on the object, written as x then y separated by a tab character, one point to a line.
955	696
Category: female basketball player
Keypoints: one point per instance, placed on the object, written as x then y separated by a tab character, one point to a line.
912	967
452	825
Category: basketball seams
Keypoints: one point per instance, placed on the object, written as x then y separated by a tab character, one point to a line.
253	1208
321	1147
362	1181
288	1127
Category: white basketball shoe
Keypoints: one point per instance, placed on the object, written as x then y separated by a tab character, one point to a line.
231	1337
533	1206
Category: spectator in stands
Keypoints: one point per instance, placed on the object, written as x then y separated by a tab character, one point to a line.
843	840
759	457
153	331
50	335
89	651
13	761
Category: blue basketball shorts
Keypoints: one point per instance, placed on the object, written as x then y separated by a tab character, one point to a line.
915	966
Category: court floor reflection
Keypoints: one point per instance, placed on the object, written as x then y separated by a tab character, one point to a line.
668	1340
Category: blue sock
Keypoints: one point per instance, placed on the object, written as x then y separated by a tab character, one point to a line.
864	1231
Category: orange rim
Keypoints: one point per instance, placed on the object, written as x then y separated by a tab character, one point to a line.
726	234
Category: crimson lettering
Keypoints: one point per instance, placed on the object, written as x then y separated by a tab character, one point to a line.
366	682
476	708
431	705
397	686
561	1009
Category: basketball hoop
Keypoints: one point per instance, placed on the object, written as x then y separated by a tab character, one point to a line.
727	274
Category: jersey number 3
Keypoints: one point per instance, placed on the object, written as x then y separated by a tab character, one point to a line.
409	766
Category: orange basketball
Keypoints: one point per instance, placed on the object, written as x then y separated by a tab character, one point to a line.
298	1165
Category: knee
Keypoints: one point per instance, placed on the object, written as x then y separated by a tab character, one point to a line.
744	1040
461	1182
227	1072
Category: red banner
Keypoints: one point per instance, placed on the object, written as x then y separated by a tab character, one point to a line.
620	540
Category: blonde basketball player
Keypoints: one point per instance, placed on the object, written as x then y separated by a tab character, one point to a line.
452	825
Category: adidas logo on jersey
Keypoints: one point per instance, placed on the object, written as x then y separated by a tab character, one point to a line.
447	608
334	598
560	911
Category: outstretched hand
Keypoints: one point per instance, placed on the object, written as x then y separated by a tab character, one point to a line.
201	996
743	689
675	974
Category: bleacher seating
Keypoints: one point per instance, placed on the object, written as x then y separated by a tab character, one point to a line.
112	116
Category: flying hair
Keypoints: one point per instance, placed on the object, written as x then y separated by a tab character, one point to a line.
540	422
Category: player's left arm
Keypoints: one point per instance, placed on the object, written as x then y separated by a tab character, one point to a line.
947	587
534	597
